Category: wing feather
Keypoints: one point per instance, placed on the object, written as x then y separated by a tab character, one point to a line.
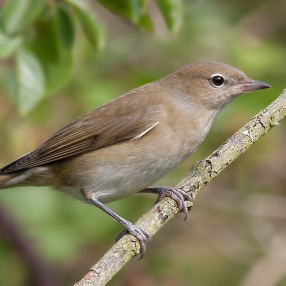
100	128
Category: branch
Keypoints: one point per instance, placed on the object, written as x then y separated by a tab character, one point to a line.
200	175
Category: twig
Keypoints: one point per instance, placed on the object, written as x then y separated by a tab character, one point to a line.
200	175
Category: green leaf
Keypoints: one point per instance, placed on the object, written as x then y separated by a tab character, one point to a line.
54	57
17	15
44	42
134	10
57	74
8	44
172	11
146	23
30	81
65	25
122	7
93	29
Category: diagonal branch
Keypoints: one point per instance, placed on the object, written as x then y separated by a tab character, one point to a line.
200	175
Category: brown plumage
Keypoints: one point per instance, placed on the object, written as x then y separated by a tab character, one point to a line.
128	144
100	128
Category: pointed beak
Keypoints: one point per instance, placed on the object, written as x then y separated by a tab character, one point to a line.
252	84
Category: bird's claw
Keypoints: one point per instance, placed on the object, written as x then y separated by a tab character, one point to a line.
178	195
140	234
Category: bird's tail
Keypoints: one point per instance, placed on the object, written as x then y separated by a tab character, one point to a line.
4	180
39	176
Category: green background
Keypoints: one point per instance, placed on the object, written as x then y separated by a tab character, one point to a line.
235	233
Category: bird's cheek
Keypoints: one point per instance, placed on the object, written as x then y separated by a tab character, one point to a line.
238	90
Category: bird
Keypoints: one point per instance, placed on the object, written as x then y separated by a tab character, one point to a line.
126	145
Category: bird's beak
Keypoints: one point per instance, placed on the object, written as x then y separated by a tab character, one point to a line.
252	84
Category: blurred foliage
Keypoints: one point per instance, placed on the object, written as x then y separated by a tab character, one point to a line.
235	234
39	36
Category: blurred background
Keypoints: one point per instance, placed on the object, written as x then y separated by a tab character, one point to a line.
235	233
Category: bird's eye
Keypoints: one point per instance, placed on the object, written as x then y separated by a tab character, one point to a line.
217	80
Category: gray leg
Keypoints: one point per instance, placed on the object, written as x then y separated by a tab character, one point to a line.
134	230
177	194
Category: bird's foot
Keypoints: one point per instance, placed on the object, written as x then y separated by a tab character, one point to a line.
178	195
141	235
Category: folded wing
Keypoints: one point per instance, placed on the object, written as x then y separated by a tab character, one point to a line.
100	128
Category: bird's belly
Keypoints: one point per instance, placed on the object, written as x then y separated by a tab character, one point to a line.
111	180
119	180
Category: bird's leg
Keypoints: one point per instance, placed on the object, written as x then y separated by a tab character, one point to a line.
177	194
130	228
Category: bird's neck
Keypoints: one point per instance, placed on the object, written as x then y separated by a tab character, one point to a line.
191	123
201	120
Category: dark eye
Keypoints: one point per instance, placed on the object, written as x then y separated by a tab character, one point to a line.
217	80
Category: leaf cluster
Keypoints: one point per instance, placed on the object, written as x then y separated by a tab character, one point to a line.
39	37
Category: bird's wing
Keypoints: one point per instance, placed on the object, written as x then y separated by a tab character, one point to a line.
100	128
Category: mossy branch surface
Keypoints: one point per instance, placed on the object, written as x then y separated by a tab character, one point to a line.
201	174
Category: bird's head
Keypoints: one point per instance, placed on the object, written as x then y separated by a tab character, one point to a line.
214	84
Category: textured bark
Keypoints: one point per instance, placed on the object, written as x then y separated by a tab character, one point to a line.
201	174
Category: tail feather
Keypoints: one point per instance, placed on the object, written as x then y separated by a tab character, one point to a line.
39	176
4	179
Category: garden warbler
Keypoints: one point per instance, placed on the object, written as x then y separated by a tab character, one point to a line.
126	145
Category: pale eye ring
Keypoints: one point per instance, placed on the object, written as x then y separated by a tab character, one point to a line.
217	80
